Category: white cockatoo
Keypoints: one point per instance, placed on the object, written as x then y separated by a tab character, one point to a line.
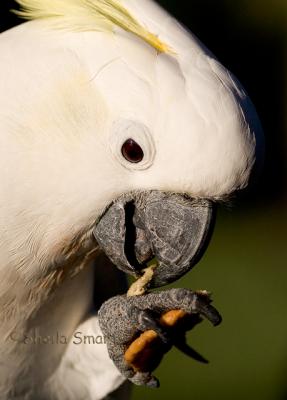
102	100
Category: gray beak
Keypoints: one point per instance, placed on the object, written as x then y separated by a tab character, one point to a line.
171	227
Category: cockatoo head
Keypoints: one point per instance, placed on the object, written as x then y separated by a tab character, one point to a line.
184	137
174	132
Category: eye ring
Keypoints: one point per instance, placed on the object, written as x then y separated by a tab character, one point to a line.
132	158
132	151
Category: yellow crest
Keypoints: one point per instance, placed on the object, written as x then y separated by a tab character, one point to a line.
85	15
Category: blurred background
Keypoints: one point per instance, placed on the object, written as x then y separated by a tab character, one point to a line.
245	265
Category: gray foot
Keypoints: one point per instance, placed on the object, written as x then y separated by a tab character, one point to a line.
123	319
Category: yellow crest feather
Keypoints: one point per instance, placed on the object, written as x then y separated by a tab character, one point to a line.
85	15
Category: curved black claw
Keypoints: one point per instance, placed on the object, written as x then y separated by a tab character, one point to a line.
190	352
209	312
149	320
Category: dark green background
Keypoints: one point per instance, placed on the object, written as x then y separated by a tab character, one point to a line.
246	264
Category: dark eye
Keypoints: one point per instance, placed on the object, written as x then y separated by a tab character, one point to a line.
132	152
